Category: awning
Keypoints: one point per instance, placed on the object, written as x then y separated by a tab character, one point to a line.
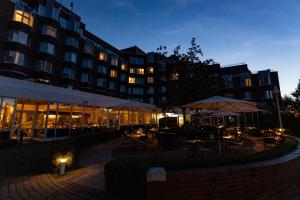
24	89
136	106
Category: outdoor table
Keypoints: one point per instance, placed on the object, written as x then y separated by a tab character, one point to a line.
229	138
193	142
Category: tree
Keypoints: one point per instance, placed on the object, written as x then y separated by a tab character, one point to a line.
296	95
288	104
162	50
194	51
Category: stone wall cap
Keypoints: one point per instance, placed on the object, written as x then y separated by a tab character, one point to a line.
156	174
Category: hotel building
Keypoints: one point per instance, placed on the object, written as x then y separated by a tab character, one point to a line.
57	78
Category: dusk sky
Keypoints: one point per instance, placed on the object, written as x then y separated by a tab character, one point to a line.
262	33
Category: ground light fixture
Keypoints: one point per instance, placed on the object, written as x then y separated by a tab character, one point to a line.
62	162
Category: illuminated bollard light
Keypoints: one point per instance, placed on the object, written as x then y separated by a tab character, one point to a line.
62	166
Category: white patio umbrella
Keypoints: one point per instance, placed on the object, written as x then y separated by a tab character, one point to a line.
225	114
217	103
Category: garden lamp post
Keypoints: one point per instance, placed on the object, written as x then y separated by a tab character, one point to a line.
276	93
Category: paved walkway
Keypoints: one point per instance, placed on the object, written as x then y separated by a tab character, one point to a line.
85	183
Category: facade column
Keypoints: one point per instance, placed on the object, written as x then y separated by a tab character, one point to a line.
132	123
82	117
55	122
13	118
102	117
34	121
108	119
70	120
123	118
20	121
46	121
1	103
128	122
156	120
119	119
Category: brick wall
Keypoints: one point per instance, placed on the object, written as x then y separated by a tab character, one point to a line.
272	181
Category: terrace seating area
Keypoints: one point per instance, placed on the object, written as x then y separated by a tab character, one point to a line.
206	142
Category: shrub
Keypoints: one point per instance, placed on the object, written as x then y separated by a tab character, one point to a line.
7	143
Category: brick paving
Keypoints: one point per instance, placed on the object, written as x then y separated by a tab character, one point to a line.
86	183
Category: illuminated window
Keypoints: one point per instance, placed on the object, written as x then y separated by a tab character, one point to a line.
140	71
102	56
248	82
150	79
113	73
151	70
131	80
123	66
175	76
23	17
114	61
137	71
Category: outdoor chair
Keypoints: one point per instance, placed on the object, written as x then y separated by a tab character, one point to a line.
269	142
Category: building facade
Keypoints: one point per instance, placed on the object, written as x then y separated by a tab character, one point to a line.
45	42
241	83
